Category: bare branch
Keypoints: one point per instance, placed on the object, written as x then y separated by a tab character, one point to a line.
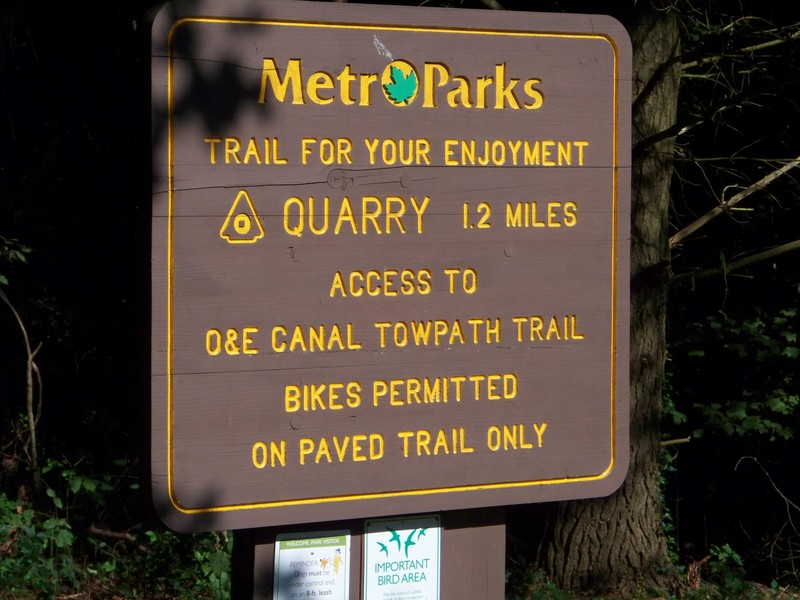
711	113
789	503
33	452
728	204
733	101
39	388
676	441
107	533
735	265
754	48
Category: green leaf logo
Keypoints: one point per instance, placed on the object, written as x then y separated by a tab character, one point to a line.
400	83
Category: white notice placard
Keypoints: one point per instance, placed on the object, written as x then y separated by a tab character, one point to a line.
401	558
312	565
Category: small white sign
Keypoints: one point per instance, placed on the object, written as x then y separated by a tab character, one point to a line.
401	558
312	566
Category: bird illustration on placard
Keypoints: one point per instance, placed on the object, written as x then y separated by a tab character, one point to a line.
395	537
384	549
409	541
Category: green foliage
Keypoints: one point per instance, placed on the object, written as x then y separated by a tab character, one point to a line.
530	584
670	413
668	524
54	551
760	394
188	566
11	253
35	552
725	579
74	486
727	570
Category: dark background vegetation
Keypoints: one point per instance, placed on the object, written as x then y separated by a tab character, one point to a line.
74	264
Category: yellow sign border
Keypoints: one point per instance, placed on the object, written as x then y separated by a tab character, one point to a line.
171	192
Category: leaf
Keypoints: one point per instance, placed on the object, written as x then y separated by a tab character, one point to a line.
776	405
63	538
56	500
402	87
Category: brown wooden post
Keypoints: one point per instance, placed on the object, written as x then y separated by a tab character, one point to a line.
473	554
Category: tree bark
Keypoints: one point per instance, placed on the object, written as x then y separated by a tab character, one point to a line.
617	543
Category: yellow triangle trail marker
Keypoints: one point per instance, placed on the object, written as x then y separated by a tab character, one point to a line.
242	225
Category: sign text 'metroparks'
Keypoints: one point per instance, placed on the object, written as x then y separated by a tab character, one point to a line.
399	83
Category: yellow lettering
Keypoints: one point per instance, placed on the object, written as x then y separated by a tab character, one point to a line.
278	332
357	449
320	81
504	94
247	340
553	330
547	150
442	443
321	87
293	77
539	432
323	451
212	142
213	341
449	153
536	96
291	398
306	448
395	215
436	75
337	286
345	78
365	81
483	84
372	146
346	216
423	442
461	94
271	455
420	209
370	214
314	338
252	152
570	214
405	436
232	147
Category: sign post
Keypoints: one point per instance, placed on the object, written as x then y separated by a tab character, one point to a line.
390	261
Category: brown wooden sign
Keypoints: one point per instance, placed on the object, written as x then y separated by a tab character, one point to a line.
390	260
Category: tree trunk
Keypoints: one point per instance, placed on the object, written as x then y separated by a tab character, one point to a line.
617	543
